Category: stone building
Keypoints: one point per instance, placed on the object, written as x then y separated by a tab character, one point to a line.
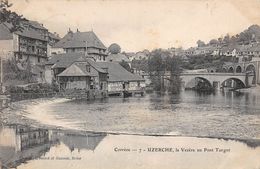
29	46
81	42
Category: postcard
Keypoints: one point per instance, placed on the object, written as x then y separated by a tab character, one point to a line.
142	84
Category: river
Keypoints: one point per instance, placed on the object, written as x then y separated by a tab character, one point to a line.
211	130
220	114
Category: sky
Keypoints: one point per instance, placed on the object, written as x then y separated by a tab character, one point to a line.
144	24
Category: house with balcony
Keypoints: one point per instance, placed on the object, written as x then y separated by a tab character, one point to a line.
81	42
29	46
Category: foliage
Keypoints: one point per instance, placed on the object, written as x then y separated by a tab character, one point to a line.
173	65
12	18
160	62
251	34
125	65
140	65
156	62
213	42
207	61
200	43
12	72
114	48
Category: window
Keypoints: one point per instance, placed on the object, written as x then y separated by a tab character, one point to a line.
20	56
101	86
88	68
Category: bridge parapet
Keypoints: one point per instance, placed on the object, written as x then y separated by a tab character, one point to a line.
214	74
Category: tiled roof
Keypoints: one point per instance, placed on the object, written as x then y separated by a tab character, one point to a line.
53	36
79	39
243	48
117	73
117	57
36	25
78	68
255	48
5	33
74	70
96	66
64	60
31	34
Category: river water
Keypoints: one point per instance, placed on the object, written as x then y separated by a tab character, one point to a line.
164	124
220	114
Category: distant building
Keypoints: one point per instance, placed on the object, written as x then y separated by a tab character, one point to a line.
138	55
81	42
119	57
176	51
202	50
231	50
190	51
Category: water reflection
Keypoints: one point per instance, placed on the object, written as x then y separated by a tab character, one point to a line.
19	144
27	147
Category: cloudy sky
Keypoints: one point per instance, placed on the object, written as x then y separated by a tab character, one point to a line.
145	24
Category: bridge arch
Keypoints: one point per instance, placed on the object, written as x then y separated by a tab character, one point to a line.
233	82
251	70
224	69
238	69
230	69
198	82
250	67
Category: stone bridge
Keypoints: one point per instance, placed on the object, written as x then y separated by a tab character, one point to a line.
217	80
244	67
233	75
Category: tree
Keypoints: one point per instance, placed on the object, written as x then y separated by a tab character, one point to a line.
156	63
156	69
233	39
114	48
140	64
125	65
220	40
213	42
226	39
200	43
173	64
9	17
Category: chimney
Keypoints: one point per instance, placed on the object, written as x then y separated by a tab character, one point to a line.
86	46
70	31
